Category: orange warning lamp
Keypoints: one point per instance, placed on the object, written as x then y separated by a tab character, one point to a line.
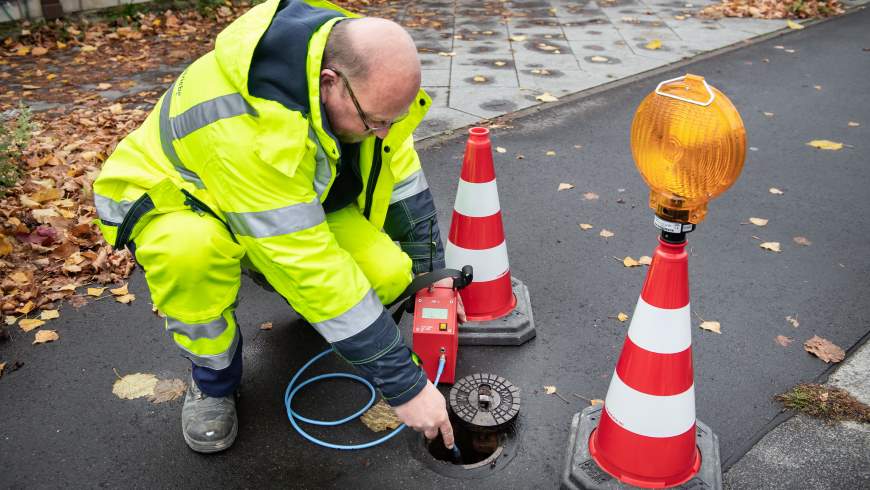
689	144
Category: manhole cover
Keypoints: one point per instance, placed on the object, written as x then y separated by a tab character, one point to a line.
485	402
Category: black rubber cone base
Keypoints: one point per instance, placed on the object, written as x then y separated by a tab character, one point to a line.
515	328
581	471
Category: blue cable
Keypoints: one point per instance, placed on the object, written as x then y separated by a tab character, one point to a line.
292	389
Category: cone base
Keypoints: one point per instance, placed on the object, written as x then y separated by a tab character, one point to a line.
514	328
582	472
641	480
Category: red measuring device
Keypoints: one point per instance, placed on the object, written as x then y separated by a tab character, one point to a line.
436	327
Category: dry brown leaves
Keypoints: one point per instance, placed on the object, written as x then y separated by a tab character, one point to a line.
824	349
773	9
47	218
380	417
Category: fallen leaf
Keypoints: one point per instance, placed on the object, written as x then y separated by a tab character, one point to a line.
116	109
578	146
44	336
499	63
518	38
645	260
125	299
768	114
134	386
5	245
774	190
598	59
88	49
793	321
817	87
826	145
783	340
758	221
853	124
2	368
167	390
824	349
630	262
49	315
546	97
590	196
654	44
550	153
499	149
29	324
793	25
478	78
772	246
448	54
622	317
802	241
596	401
104	86
96	292
266	326
44	195
711	327
380	417
121	291
549	390
585	226
27	308
606	233
38	51
565	186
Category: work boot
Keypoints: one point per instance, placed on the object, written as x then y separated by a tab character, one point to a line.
209	424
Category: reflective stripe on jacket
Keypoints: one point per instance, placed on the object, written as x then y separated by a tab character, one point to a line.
241	134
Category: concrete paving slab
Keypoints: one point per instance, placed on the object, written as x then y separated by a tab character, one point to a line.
805	452
854	376
487	102
442	119
435	78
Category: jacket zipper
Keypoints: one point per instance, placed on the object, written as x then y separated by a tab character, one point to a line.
201	207
373	177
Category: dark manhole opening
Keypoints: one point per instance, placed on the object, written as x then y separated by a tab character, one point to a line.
476	448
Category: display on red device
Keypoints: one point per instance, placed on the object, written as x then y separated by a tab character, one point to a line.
436	332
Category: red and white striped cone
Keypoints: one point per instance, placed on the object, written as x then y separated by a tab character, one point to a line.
477	234
646	436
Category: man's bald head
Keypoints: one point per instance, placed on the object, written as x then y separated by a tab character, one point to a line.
376	55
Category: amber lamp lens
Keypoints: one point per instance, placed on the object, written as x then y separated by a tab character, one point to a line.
687	152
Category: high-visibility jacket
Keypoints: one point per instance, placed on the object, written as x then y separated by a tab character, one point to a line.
242	134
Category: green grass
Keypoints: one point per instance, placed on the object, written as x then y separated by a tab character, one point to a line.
825	402
14	138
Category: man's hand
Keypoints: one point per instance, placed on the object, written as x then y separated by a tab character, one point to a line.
447	282
427	413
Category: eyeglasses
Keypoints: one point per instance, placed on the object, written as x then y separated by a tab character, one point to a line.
376	125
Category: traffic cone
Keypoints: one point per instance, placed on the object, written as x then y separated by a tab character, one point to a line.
646	436
497	305
477	234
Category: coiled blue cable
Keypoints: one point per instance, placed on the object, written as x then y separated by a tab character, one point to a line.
293	388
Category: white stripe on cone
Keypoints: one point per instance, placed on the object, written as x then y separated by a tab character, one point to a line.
650	415
660	330
488	264
477	200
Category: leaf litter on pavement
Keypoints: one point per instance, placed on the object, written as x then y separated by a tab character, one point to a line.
140	385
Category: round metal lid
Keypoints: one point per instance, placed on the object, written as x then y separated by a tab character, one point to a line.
485	402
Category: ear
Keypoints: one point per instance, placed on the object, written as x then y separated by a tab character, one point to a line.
328	79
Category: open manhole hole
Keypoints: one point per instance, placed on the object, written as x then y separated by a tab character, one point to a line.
483	411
